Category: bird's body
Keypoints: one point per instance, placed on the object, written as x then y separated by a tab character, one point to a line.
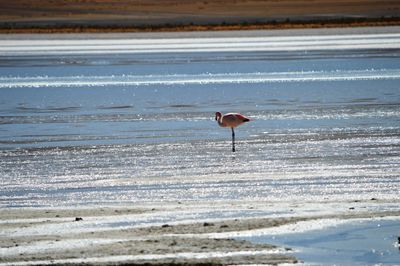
231	120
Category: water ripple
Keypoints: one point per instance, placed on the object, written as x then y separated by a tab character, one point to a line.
208	78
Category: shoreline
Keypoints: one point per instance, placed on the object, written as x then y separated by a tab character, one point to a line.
282	25
201	34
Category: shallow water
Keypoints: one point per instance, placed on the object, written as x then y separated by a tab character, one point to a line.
122	121
364	242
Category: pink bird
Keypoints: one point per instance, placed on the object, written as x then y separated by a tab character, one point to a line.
231	120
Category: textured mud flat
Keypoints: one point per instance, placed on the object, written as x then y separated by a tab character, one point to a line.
47	240
106	235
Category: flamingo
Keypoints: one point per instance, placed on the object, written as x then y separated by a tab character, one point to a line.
231	120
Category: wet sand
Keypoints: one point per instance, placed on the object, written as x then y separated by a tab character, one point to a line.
78	236
172	15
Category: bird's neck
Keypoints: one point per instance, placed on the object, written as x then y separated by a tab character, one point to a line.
219	120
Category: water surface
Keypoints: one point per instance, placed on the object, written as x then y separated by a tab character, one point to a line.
364	242
132	120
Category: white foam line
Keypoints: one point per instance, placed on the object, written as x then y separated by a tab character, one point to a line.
30	43
228	78
292	228
125	258
55	47
297	227
195	46
266	48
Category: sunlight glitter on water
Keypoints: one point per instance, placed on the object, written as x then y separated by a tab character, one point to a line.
87	124
205	79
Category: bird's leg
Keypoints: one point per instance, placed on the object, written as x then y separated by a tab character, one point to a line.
233	140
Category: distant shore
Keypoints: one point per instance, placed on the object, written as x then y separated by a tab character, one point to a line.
337	23
74	16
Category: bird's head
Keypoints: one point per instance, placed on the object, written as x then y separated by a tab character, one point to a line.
217	115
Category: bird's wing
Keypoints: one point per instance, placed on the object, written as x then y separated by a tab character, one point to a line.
229	118
242	117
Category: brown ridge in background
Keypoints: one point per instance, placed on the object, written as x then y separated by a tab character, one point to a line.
175	15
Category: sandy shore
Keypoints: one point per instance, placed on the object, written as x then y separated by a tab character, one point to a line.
173	15
138	235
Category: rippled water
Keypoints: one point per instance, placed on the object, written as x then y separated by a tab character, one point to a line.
368	242
116	121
